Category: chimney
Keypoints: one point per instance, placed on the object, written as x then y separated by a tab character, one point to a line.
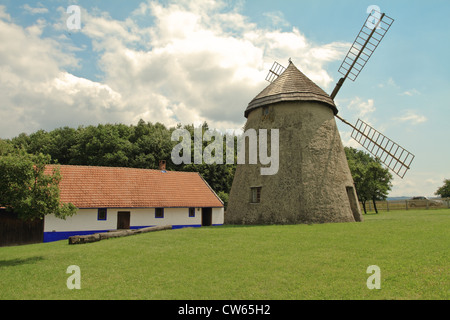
162	165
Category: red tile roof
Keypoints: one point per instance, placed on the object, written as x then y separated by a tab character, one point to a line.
109	187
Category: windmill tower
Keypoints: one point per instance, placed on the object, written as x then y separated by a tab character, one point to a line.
313	183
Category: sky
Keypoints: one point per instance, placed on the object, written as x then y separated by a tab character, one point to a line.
193	61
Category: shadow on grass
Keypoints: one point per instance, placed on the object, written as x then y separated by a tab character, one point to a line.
17	262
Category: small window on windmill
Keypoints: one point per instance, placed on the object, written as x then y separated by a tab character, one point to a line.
255	196
265	112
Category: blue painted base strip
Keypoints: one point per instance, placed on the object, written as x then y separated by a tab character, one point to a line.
63	235
140	227
186	226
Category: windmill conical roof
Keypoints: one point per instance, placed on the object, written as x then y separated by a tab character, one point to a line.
291	85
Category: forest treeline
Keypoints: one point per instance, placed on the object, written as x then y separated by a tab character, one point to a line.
118	145
143	145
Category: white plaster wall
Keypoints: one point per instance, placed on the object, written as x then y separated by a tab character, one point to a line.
86	219
172	216
217	215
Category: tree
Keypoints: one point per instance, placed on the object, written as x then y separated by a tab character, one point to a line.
27	189
379	181
444	191
372	180
104	145
218	176
150	143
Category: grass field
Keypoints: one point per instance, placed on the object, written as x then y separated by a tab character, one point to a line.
327	261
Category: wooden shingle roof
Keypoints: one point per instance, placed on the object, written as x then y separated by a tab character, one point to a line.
291	85
109	187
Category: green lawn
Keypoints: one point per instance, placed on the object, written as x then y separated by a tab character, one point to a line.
326	261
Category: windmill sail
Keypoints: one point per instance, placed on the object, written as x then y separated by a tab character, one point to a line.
365	44
372	32
369	37
394	156
275	72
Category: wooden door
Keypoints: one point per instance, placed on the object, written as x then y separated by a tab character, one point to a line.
123	220
206	217
354	203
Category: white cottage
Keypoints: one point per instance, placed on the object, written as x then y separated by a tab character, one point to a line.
110	198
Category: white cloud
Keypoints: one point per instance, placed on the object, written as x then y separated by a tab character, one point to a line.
416	183
3	15
203	59
198	61
276	18
39	10
410	93
37	93
412	117
41	59
361	108
357	108
348	141
389	83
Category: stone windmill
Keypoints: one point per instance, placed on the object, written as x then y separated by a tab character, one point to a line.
313	183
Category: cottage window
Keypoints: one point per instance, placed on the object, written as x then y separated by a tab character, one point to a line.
159	213
101	214
191	212
255	196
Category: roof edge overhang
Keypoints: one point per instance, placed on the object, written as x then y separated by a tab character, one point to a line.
146	207
294	86
290	97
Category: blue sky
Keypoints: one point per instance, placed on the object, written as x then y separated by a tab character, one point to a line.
194	61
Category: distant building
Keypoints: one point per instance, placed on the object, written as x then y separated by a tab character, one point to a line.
111	198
